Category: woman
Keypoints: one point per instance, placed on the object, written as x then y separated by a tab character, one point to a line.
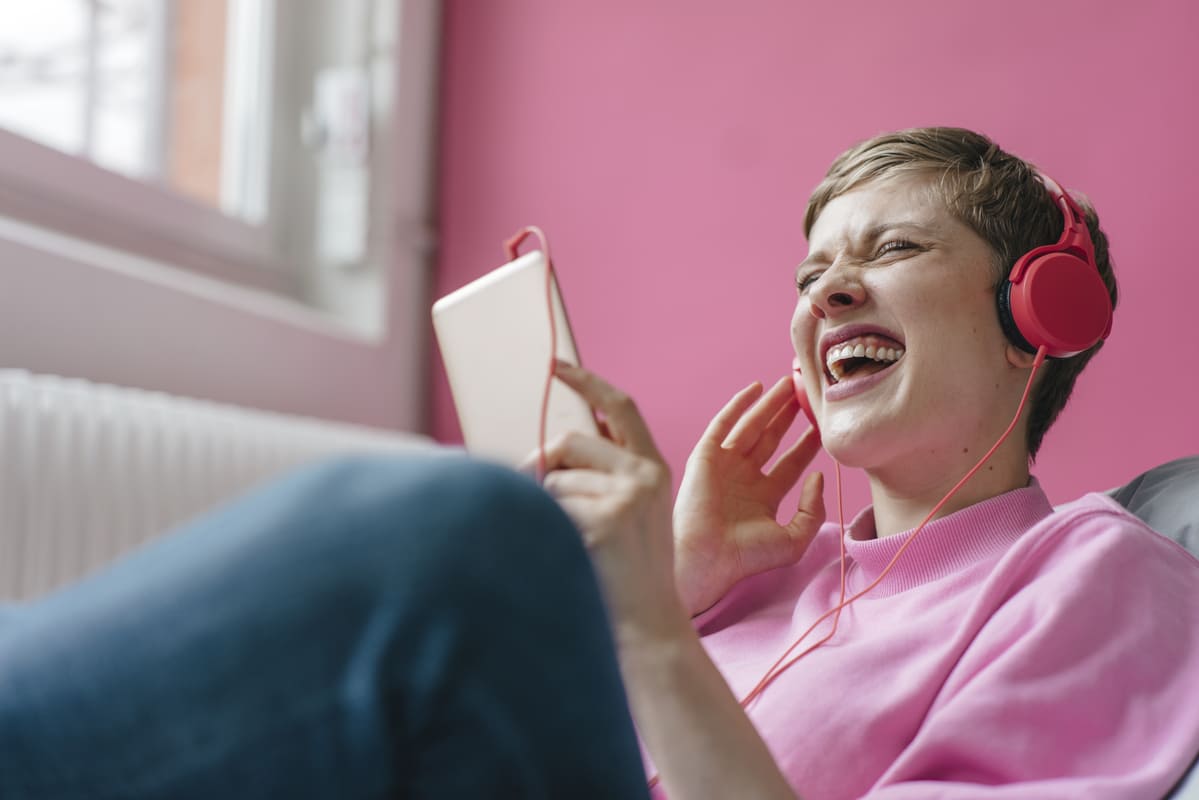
1011	650
432	627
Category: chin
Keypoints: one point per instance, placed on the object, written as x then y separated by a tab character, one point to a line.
851	446
865	441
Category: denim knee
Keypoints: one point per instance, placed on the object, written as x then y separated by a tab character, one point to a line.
445	520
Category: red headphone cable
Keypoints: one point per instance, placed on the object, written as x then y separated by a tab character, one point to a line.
779	666
782	664
510	247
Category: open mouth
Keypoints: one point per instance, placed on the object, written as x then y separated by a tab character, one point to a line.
861	356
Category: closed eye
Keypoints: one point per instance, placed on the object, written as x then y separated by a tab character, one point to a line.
894	245
802	282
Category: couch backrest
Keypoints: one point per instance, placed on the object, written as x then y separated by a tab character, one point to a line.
1167	499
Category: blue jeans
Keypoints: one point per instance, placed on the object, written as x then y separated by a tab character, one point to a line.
376	627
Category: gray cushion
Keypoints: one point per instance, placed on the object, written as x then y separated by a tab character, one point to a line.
1167	499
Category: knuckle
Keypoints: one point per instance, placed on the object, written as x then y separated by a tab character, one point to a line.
656	473
623	490
569	440
620	401
651	475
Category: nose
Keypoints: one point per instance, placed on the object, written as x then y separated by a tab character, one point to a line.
836	290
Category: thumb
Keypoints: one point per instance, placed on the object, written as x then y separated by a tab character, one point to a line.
810	516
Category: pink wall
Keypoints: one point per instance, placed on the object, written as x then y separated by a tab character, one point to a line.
669	147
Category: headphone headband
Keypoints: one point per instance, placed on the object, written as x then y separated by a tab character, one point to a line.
1076	236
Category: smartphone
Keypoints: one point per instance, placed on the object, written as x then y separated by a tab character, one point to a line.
494	337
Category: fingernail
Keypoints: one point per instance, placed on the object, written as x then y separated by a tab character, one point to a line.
560	364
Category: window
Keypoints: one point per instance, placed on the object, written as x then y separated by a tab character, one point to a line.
236	138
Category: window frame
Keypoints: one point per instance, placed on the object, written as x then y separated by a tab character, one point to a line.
71	195
74	308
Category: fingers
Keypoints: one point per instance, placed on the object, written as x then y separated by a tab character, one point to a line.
624	421
528	465
811	515
778	426
574	451
720	426
577	483
750	429
791	464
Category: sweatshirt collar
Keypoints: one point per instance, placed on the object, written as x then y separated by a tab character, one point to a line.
946	545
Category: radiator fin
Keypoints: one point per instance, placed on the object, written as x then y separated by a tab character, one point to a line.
88	471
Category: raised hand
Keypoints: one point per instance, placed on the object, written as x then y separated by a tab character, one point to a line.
725	517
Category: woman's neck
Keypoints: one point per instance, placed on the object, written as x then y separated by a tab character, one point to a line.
903	497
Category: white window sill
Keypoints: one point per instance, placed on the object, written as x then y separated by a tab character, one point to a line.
259	302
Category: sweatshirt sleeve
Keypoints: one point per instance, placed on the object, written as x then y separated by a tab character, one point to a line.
1080	681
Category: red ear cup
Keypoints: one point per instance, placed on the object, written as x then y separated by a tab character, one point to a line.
1054	296
1059	302
801	394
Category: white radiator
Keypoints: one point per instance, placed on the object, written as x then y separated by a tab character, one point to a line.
88	471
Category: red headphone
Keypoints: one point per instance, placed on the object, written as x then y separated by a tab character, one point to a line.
1054	296
801	394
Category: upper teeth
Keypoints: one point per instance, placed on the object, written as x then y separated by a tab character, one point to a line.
858	348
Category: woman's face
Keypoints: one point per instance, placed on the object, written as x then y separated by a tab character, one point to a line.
897	333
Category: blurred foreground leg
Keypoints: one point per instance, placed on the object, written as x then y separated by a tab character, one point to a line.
401	627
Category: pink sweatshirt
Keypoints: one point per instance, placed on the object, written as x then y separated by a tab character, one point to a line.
1013	652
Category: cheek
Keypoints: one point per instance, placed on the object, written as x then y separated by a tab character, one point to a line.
803	326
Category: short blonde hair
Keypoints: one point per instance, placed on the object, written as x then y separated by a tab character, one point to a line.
997	195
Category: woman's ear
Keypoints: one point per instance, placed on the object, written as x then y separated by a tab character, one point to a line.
1019	358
